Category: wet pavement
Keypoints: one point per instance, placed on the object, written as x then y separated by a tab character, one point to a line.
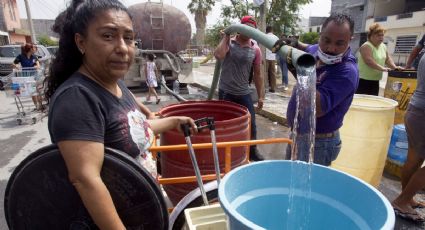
17	142
272	124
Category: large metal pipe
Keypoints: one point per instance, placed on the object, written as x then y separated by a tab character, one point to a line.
291	55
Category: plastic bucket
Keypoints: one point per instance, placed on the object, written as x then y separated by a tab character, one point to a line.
365	137
400	87
255	196
397	152
398	144
232	123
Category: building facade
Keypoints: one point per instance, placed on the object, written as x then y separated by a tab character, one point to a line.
41	27
404	21
10	24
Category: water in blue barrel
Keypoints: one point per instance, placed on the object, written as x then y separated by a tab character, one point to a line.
398	144
256	196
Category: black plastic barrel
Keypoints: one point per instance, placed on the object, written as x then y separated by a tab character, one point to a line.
39	195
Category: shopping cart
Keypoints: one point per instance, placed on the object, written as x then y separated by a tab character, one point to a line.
25	83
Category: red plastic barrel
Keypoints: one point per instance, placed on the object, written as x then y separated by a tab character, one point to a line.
232	123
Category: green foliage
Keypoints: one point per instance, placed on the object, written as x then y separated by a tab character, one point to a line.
310	38
238	9
213	37
281	14
200	9
46	41
200	5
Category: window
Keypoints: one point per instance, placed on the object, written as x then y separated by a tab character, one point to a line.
318	29
381	19
405	44
406	15
10	51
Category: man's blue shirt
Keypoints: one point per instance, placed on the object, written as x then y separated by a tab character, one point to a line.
336	84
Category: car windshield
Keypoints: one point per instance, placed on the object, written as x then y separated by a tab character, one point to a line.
10	52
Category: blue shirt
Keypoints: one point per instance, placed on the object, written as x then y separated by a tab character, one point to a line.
26	62
336	84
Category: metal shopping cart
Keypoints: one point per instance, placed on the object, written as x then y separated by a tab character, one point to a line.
25	83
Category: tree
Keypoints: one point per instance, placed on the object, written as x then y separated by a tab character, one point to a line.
213	37
282	14
46	41
200	8
310	37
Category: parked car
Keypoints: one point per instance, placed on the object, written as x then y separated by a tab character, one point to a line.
8	54
52	50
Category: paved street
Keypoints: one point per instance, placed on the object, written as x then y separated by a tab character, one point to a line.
16	142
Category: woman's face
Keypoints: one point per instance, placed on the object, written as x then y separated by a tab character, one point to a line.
377	38
108	46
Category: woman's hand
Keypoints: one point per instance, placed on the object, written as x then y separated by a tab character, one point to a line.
189	121
164	124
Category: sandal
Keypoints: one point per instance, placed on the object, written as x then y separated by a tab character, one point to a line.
415	217
418	205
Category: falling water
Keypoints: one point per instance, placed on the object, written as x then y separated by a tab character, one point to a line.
298	212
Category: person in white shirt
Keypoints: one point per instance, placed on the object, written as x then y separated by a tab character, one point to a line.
271	63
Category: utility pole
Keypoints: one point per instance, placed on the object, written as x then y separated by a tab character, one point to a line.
262	27
27	7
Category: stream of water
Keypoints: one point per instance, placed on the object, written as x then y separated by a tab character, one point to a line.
298	212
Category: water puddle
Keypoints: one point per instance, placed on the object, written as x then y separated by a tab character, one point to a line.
298	211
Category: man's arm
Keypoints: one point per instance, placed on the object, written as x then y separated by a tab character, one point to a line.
222	48
412	56
259	85
415	52
301	46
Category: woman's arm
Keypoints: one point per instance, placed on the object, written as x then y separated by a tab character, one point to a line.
84	161
168	123
145	110
37	64
389	61
367	56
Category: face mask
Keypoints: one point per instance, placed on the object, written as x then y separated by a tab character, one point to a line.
329	59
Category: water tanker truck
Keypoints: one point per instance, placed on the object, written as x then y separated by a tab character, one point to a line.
164	31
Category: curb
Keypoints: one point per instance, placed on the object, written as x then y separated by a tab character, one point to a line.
263	112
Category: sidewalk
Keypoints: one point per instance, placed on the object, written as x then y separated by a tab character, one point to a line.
275	106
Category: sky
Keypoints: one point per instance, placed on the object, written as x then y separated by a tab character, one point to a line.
49	9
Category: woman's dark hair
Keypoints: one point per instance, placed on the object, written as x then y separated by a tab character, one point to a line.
75	19
151	57
26	48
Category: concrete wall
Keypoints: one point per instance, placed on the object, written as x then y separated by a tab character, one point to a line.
41	27
388	7
393	22
356	9
11	15
17	38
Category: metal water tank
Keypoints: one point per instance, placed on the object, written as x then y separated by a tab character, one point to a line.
160	26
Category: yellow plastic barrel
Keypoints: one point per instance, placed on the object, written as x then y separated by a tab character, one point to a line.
400	87
365	137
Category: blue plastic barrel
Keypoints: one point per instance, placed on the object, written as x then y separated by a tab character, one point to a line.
255	196
398	144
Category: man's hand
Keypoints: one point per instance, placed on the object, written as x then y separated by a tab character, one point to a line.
260	103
